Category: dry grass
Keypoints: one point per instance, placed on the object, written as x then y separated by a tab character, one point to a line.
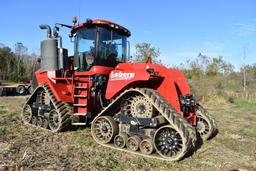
24	147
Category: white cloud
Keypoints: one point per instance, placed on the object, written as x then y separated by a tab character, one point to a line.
244	29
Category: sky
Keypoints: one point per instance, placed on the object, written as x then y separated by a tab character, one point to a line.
181	29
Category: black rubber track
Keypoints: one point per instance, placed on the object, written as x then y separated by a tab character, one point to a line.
210	120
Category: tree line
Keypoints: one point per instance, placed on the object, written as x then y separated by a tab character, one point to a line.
17	64
214	70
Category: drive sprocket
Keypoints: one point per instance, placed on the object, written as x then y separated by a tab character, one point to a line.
141	107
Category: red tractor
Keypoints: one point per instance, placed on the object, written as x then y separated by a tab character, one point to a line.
142	108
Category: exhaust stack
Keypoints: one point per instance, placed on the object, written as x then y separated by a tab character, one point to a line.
48	28
53	56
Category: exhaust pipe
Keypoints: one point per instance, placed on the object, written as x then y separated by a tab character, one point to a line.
48	28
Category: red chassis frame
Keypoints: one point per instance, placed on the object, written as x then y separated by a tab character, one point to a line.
170	83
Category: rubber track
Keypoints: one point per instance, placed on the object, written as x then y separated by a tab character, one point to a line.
63	108
169	113
210	118
190	128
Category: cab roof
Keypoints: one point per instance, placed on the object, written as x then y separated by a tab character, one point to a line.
104	23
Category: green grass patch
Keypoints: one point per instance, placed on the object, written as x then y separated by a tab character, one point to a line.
238	146
4	131
246	104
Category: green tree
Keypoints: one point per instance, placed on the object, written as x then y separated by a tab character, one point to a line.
219	66
145	50
204	65
7	63
250	69
18	66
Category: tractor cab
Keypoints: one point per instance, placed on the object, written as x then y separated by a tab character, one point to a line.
99	43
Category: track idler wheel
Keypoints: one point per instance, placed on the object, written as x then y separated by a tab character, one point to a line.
104	129
133	143
205	124
27	114
120	140
147	146
54	121
170	143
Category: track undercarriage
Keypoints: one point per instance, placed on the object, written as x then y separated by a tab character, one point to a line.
43	110
147	125
138	121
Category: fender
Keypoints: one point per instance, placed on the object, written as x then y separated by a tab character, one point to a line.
172	84
62	91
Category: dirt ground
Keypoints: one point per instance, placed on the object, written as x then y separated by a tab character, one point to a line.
22	147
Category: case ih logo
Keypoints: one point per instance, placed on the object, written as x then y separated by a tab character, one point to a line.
121	75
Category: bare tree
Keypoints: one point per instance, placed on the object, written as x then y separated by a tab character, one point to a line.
145	50
20	51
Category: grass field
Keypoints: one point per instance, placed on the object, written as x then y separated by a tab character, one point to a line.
234	147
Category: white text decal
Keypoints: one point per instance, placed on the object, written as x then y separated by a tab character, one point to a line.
121	75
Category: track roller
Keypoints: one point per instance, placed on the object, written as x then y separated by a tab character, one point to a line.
133	143
39	121
147	146
45	123
34	120
120	140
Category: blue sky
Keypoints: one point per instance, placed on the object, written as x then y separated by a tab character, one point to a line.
181	29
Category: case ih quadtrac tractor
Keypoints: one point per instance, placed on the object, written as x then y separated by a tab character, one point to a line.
141	108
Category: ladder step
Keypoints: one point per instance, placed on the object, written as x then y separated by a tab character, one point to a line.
79	114
80	105
78	87
79	123
80	96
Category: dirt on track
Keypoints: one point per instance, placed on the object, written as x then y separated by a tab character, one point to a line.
22	147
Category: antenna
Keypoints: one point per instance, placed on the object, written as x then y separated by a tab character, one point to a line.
79	8
244	74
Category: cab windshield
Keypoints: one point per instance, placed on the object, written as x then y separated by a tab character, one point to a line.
99	46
